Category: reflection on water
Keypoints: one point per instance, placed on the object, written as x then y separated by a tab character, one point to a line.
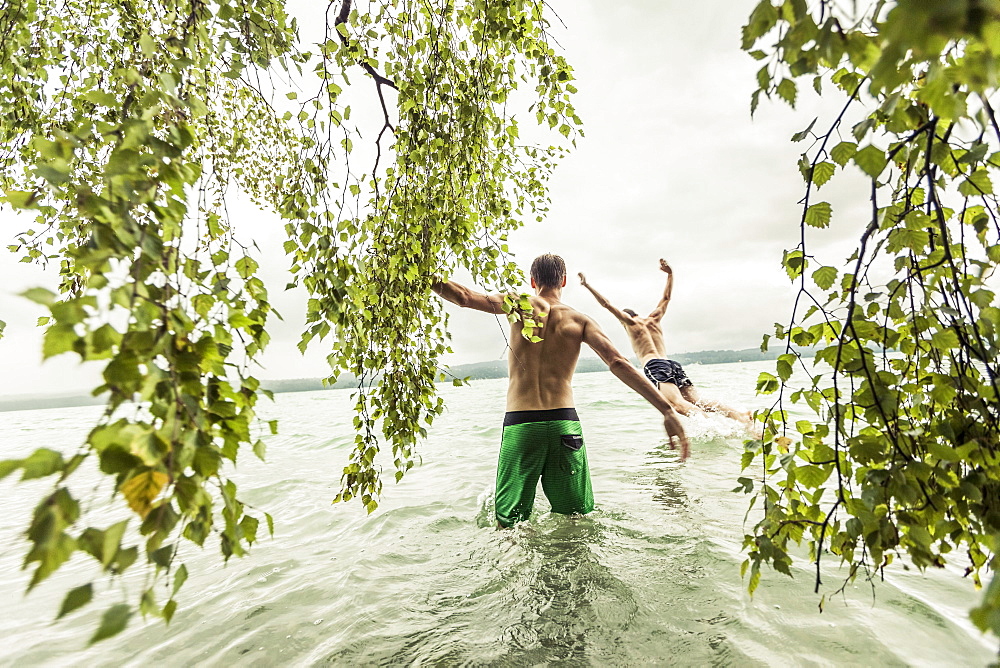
572	607
665	472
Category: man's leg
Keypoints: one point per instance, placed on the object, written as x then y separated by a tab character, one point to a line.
676	398
691	394
522	457
566	476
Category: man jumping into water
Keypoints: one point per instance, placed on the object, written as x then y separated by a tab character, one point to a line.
667	375
542	437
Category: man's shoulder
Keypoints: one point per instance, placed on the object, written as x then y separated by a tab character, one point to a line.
567	315
565	310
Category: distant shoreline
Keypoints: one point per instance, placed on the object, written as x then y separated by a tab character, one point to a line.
474	371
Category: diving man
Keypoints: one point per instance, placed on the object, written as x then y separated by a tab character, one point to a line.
668	376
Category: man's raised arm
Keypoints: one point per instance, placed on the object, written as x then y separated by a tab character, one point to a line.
661	308
623	317
594	337
467	298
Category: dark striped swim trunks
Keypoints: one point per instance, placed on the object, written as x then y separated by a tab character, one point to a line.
666	371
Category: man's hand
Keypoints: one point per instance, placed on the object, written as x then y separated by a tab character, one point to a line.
583	279
665	267
676	432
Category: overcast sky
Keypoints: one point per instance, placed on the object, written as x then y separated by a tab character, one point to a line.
672	166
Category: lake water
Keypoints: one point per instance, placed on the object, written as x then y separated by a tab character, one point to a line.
651	577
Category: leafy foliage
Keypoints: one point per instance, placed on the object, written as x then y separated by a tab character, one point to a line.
902	459
127	124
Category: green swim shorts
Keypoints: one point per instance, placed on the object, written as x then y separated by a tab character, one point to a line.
548	445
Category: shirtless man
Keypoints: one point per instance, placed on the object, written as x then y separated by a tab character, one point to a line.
646	336
542	437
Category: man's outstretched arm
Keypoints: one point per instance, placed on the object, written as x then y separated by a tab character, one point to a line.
466	298
661	308
594	337
623	317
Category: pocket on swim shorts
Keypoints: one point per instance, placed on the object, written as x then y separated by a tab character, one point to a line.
572	441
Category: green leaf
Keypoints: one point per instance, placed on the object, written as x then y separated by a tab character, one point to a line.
977	184
8	466
794	262
147	604
943	452
766	383
103	98
799	136
51	551
40	296
42	462
843	152
871	160
754	581
861	129
762	19
784	365
246	266
986	616
21	199
58	339
113	541
76	598
249	525
113	622
180	577
787	91
824	277
819	214
163	556
813	476
822	173
945	339
169	609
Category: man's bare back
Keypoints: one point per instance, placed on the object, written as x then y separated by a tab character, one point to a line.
541	373
646	337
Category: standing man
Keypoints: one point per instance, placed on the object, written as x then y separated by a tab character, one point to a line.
542	437
667	375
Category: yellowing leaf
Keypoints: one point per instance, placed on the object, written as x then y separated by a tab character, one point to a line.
140	490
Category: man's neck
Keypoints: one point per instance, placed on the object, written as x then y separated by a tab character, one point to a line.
551	295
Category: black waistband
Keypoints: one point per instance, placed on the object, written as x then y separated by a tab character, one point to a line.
520	417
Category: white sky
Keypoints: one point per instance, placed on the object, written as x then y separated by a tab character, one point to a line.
672	166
